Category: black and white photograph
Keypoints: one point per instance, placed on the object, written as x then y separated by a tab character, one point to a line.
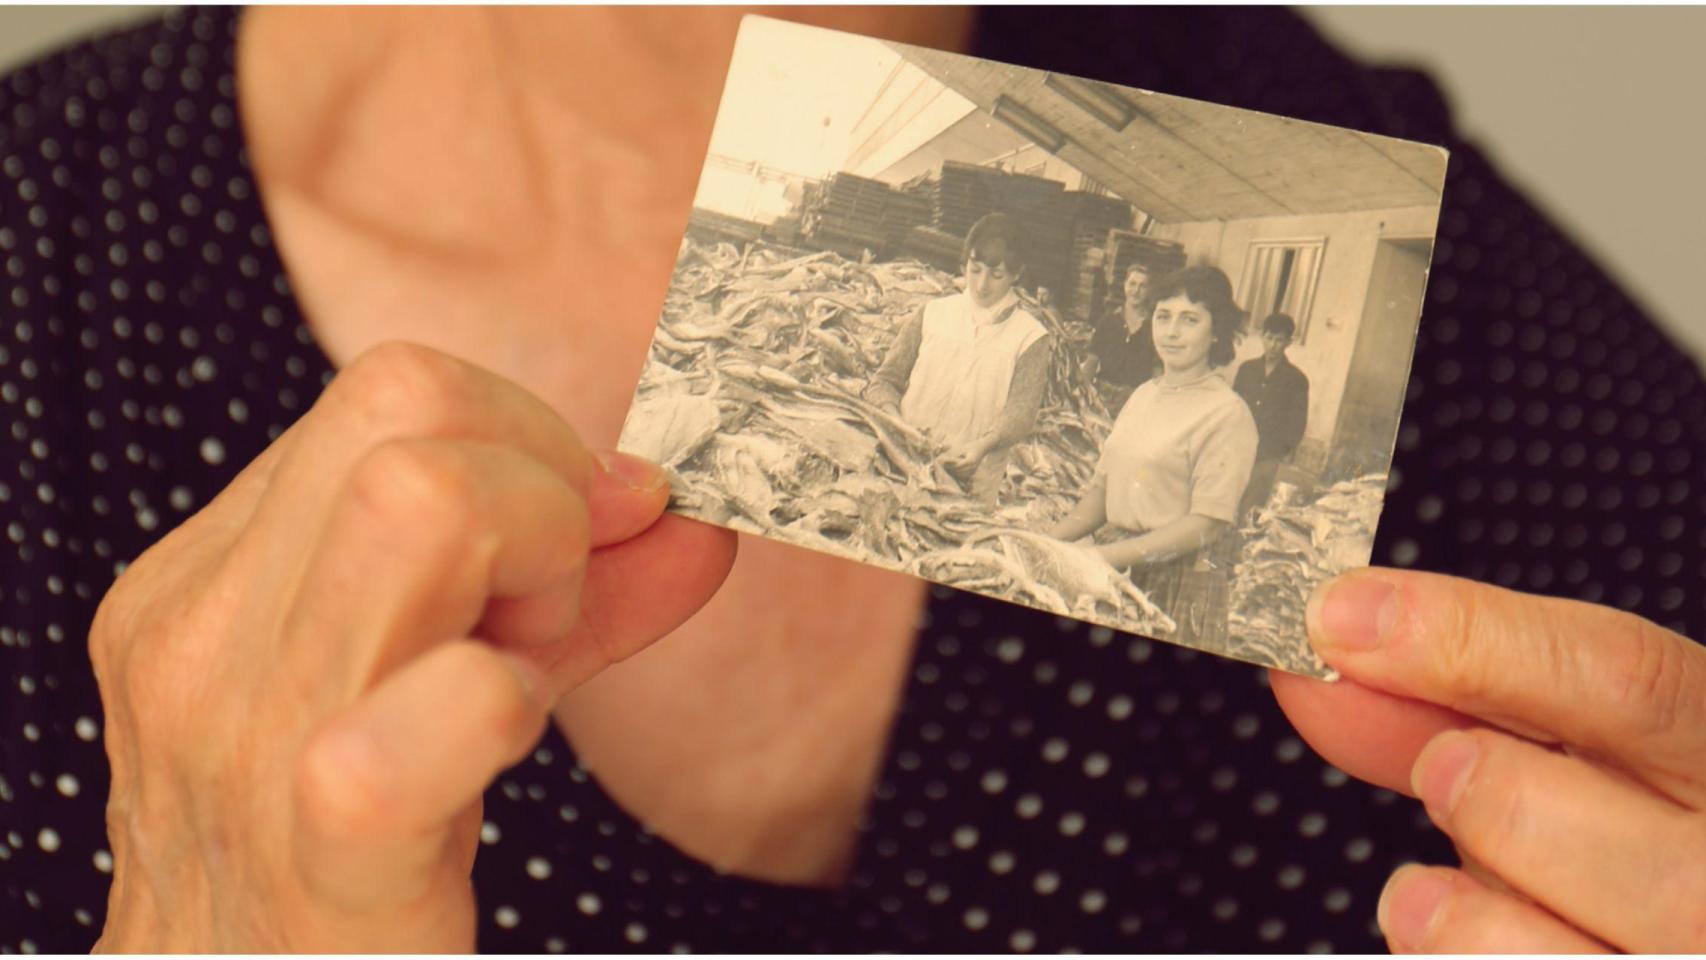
1129	358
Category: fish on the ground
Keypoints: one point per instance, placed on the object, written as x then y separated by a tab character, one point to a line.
752	397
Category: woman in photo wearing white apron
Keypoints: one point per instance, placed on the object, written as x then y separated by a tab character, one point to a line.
970	369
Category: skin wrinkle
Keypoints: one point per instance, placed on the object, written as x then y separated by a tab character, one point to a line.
1656	683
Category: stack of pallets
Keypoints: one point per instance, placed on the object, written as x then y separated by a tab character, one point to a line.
846	214
934	247
713	227
1094	216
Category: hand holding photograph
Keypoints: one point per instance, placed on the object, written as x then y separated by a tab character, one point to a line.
1128	358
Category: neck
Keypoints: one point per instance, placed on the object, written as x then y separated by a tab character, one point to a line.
1133	317
515	117
1180	376
984	311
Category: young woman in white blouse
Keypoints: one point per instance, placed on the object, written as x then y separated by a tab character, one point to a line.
1175	466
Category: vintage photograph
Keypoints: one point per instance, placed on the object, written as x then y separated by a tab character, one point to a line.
1125	357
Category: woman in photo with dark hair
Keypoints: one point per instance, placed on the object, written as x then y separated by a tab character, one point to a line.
970	369
1175	466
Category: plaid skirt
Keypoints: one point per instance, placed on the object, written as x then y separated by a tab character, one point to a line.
1194	589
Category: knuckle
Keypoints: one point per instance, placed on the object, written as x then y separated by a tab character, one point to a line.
1455	636
406	386
1653	678
415	485
335	793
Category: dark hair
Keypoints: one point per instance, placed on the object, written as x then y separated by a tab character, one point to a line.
1209	287
1281	324
1138	266
994	240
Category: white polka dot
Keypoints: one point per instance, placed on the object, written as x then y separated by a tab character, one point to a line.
589	904
538	868
506	917
965	837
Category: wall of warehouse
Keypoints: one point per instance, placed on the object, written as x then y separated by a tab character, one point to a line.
1346	267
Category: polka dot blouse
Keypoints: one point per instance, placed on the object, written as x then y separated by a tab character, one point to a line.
1048	786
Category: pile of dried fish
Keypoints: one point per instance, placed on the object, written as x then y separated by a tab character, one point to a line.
1061	577
751	397
1291	548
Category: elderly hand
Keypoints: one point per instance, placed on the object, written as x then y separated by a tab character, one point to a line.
1561	745
309	684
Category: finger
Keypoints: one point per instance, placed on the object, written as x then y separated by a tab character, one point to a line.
1618	861
1369	734
1546	668
637	592
392	391
378	786
421	538
625	497
1440	910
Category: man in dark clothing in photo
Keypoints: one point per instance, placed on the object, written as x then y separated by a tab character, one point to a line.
1278	395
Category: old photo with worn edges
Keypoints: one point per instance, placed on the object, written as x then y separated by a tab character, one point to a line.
1129	358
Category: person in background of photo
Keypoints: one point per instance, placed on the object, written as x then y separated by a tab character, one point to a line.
1122	350
970	369
1278	395
1174	469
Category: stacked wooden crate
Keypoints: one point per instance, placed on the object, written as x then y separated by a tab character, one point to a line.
902	212
713	227
1038	207
937	248
846	214
961	194
1093	217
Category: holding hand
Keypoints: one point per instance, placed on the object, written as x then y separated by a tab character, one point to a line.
963	459
310	683
1561	745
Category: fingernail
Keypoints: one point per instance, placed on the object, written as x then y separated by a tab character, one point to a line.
1442	770
1353	613
1409	905
640	475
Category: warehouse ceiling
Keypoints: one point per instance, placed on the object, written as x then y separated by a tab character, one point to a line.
1185	160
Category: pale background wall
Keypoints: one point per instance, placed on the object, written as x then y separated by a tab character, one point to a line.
1346	268
1595	110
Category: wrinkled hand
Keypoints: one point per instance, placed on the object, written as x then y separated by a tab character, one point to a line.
309	684
1561	745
